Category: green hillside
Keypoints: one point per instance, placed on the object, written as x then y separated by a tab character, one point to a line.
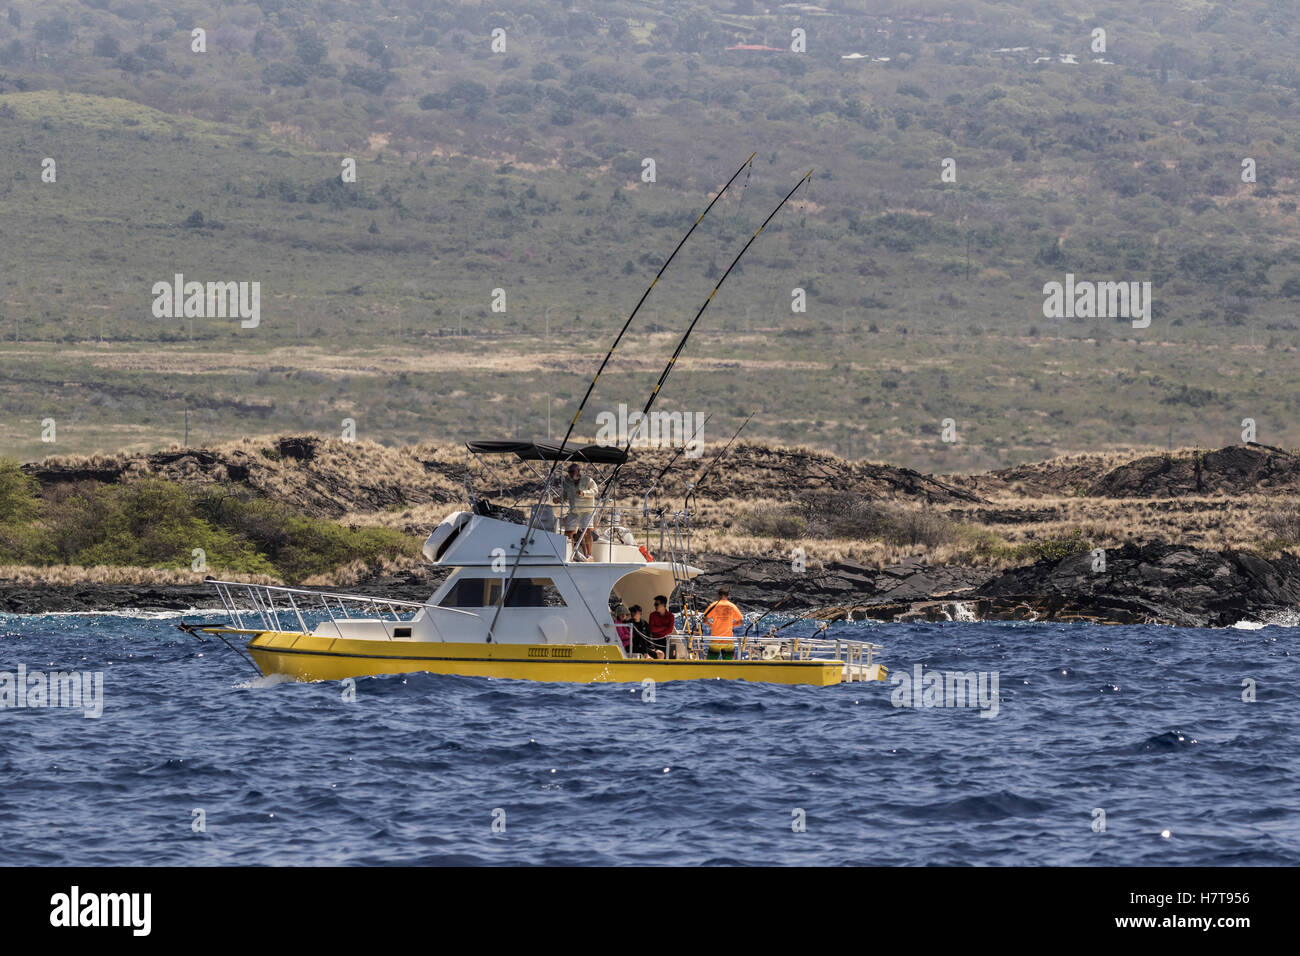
521	171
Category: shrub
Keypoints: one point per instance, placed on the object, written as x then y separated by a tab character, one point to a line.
843	514
18	501
771	524
1283	524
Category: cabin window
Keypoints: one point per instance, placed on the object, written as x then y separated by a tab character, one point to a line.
486	592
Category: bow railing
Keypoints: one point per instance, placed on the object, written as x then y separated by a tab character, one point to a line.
260	607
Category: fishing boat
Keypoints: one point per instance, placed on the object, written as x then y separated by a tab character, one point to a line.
523	600
554	621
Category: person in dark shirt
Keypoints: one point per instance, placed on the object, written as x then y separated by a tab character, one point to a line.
642	642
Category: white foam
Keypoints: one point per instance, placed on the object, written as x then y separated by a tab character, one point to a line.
131	613
1277	619
268	680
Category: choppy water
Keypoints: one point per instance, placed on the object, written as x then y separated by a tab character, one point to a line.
1145	723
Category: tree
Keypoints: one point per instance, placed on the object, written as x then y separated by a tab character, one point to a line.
107	46
372	81
311	50
55	31
284	74
18	501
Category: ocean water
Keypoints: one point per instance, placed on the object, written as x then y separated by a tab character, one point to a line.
1143	729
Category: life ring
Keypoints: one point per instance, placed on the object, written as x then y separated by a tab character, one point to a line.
646	554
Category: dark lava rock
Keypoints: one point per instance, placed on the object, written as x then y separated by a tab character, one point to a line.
83	598
1153	583
759	583
298	447
1147	584
1237	469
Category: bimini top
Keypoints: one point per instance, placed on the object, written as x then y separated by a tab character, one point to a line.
550	451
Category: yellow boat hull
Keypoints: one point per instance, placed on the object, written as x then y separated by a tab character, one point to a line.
310	658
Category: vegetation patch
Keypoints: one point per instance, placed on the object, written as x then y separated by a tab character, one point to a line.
151	522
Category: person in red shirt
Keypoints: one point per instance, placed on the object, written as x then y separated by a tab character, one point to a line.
722	616
662	621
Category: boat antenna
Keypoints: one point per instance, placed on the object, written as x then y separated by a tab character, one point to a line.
663	376
550	475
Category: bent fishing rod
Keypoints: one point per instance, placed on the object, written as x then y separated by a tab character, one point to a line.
550	475
663	376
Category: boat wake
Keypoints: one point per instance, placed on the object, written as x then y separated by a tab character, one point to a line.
268	680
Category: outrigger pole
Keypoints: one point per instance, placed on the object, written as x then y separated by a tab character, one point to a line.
663	377
532	518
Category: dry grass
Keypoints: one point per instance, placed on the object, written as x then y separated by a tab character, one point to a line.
62	575
355	571
1216	522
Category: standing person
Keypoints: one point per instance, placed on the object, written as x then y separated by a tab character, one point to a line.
722	616
642	642
580	496
662	621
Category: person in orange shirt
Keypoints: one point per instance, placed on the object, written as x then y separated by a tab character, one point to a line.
722	616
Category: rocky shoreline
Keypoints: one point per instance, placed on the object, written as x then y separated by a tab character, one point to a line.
1191	537
1139	584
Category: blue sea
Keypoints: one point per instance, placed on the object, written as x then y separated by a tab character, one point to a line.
1109	746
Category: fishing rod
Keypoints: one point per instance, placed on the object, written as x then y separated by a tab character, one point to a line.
686	510
645	499
775	607
550	475
692	487
796	620
672	461
663	377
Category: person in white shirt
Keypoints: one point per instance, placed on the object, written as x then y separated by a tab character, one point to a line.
579	494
